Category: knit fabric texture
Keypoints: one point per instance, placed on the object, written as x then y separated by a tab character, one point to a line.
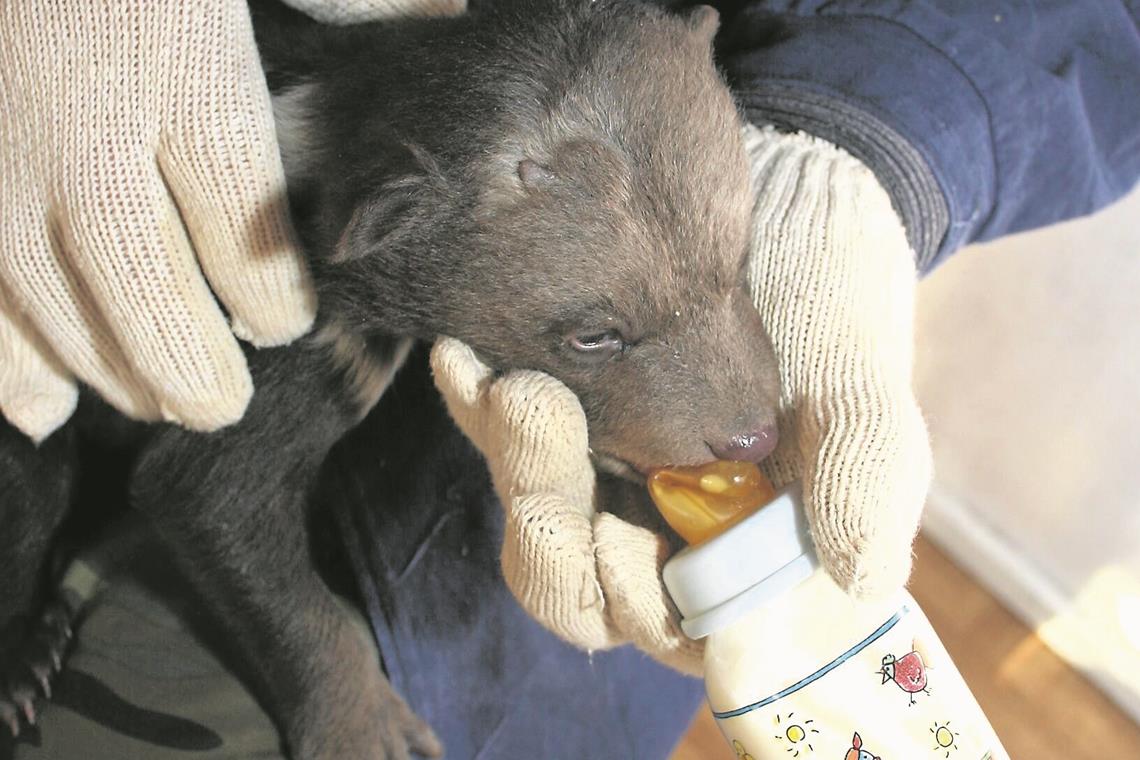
834	280
140	170
357	11
145	219
593	579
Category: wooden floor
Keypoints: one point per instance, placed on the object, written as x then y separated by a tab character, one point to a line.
1040	707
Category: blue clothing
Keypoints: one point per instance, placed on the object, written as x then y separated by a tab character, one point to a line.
423	528
1022	112
981	119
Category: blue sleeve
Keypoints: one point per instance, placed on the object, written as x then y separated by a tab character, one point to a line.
981	118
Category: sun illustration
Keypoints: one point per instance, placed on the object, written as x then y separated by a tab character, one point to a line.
944	738
797	733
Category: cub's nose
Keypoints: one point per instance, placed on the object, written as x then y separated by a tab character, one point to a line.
752	446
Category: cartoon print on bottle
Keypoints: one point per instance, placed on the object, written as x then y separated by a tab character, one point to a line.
944	738
908	672
857	752
741	753
798	733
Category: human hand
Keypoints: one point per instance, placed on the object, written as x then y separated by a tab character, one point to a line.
141	170
592	577
834	279
140	162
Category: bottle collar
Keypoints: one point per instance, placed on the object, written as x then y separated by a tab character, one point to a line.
763	556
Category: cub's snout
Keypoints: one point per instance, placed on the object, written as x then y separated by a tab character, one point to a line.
704	387
753	446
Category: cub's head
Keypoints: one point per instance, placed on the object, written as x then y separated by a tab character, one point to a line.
591	220
612	232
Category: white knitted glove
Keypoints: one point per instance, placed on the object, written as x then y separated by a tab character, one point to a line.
834	279
139	163
593	578
356	11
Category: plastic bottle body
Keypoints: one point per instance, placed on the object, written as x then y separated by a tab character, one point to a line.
813	673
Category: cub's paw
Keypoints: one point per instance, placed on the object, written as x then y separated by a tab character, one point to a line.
402	730
32	651
375	725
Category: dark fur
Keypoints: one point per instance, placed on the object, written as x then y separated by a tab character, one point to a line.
510	178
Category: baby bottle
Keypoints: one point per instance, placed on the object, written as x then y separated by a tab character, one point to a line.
794	667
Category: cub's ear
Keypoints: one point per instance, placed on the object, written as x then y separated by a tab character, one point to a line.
382	220
704	21
394	212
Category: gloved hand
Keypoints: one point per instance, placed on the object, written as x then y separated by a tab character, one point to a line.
139	163
591	577
357	11
833	277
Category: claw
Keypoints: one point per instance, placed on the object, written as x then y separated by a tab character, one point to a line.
43	677
10	718
58	622
29	709
58	619
56	661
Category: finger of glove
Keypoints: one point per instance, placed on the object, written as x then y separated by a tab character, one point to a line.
834	280
871	472
542	438
359	11
630	560
462	380
37	395
864	491
59	310
130	248
220	158
630	501
548	563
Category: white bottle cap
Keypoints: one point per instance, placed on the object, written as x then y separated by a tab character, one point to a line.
768	553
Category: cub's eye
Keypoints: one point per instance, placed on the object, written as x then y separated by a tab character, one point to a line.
601	344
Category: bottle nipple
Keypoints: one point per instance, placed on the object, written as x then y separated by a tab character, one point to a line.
702	502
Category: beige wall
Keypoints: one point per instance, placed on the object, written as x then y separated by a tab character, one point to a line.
1029	373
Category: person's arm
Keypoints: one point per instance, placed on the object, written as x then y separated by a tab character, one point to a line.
980	119
976	122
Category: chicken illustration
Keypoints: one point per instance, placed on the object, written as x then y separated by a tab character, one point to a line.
908	672
857	752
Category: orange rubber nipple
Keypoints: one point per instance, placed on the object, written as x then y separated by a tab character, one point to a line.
702	502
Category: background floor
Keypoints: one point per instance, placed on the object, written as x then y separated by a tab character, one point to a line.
1040	707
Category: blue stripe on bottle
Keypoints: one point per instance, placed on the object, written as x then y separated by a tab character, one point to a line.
819	673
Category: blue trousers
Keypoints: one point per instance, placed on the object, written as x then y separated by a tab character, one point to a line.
423	528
